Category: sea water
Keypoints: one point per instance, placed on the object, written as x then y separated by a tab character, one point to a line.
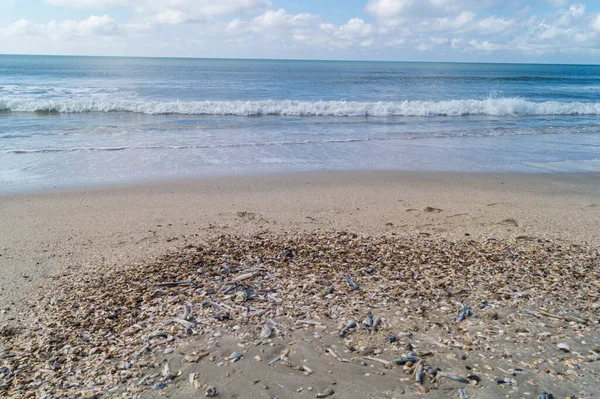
68	121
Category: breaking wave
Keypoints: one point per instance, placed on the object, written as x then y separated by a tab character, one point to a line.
492	107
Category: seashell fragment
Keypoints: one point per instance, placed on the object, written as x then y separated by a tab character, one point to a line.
266	332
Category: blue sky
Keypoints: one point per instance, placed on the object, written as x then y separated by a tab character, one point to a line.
428	30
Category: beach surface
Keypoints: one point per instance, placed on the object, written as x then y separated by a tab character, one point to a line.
46	237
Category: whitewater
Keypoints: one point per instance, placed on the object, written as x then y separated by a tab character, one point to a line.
492	107
68	121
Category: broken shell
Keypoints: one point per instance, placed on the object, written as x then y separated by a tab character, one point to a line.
211	392
196	358
564	347
266	332
326	393
413	278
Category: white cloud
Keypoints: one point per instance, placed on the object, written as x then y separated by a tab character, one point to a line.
398	12
303	28
66	30
355	28
456	43
394	28
174	11
595	25
271	21
486	46
86	3
170	17
280	18
449	24
387	10
493	24
577	10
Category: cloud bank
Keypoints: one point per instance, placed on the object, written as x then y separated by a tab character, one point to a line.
488	30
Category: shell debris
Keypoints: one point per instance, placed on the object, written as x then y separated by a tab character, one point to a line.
92	333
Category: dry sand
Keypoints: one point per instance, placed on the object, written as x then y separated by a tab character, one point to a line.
41	234
112	228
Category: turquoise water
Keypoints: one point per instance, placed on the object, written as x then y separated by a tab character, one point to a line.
80	120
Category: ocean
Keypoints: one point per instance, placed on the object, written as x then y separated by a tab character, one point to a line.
71	121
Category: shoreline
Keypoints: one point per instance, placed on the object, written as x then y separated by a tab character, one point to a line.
591	178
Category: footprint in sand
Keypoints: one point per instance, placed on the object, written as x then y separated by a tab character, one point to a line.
525	238
499	203
509	222
246	215
429	209
457	215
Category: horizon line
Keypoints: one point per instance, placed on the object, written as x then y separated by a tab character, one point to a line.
294	59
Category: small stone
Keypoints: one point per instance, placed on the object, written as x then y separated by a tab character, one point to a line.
169	351
211	392
158	386
325	394
258	358
564	347
196	358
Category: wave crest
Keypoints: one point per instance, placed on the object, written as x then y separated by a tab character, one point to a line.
492	107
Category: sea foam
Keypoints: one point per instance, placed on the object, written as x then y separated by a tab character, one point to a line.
492	107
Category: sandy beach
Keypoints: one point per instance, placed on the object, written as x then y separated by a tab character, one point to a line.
50	238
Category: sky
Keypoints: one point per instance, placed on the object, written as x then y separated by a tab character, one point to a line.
542	31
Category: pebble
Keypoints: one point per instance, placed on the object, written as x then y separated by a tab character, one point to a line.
158	386
564	347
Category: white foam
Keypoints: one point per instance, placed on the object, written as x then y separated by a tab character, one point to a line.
492	106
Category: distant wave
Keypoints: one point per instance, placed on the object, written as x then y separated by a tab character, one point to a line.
492	106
